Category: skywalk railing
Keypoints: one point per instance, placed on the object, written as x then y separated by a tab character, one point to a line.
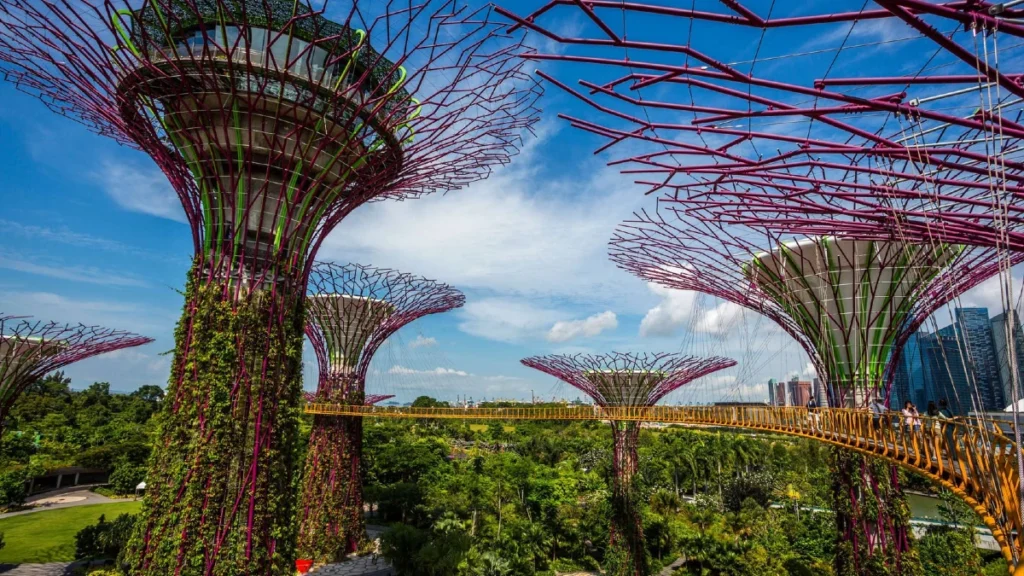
974	459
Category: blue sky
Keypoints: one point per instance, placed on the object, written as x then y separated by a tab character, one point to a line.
91	232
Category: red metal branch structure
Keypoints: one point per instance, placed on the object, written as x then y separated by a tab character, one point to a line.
639	380
851	304
915	132
31	349
897	121
272	121
351	311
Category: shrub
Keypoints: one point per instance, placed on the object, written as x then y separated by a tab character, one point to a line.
12	487
758	486
126	477
104	539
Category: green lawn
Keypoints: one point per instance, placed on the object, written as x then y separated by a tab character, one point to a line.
50	536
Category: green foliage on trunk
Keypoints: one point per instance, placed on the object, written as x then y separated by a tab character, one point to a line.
219	488
873	518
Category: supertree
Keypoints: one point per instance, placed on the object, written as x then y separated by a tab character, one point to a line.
851	304
351	311
614	380
272	123
31	349
925	144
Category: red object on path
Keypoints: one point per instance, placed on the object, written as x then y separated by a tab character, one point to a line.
303	566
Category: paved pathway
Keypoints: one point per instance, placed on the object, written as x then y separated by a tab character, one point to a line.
48	569
65	500
361	566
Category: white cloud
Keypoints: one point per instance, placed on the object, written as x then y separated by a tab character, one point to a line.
88	274
719	320
421	342
591	326
138	190
683	309
808	372
439	371
520	232
674	310
505	319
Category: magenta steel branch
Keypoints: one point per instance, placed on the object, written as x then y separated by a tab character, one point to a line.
390	101
924	140
617	379
31	349
351	310
649	377
684	251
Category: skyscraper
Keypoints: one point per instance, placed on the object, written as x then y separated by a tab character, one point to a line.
959	363
799	392
909	382
771	392
999	336
974	331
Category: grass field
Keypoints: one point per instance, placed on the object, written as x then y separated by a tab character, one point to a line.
49	536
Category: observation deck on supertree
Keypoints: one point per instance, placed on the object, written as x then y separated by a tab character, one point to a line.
351	311
626	380
31	349
851	304
898	119
272	121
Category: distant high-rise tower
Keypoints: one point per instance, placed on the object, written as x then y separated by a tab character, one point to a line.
999	336
780	394
771	392
968	342
909	382
799	391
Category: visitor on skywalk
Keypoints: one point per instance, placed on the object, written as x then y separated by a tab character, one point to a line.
878	409
911	417
812	414
933	412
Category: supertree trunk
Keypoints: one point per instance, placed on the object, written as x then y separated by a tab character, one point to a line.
873	518
626	555
220	478
331	521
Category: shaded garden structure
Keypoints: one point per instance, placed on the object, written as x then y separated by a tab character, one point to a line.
351	311
31	349
851	304
272	122
617	380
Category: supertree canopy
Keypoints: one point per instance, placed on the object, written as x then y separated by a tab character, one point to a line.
272	120
30	349
887	118
851	304
351	311
613	380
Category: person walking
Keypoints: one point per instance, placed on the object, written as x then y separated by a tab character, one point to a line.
878	410
812	414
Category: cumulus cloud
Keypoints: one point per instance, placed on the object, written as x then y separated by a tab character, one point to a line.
674	310
421	342
683	308
808	372
439	371
566	330
505	319
141	190
520	232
